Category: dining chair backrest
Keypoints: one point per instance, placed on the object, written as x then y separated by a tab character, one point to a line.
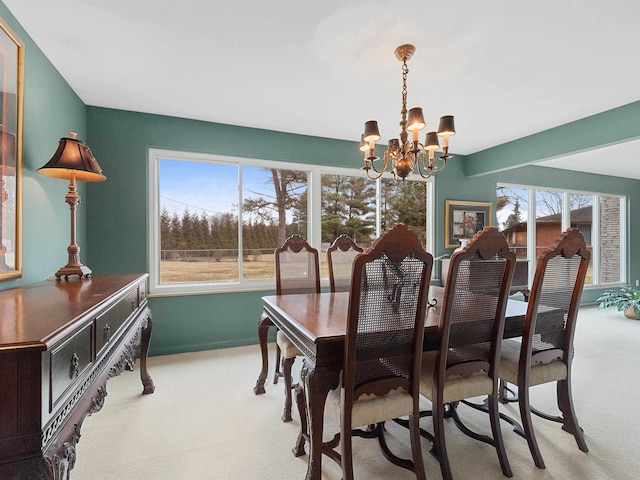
557	286
297	267
475	298
387	304
340	257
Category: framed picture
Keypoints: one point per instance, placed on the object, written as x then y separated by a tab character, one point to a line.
11	94
464	219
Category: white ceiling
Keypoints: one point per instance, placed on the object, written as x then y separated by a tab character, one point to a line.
505	69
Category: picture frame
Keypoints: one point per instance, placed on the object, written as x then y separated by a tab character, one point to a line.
463	219
11	111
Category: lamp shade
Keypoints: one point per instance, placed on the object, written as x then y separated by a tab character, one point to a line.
432	141
416	119
446	126
393	146
73	158
371	132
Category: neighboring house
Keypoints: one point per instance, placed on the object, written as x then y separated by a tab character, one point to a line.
547	230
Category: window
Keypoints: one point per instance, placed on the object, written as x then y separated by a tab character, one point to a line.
599	217
215	221
512	205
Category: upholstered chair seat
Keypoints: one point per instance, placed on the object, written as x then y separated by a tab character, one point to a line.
371	409
287	348
456	387
538	373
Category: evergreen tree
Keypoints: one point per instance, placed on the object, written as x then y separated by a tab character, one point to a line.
176	232
167	241
348	206
514	218
405	202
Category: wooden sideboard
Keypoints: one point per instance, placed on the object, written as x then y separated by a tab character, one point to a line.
60	341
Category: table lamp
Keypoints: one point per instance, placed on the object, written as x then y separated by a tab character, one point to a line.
73	161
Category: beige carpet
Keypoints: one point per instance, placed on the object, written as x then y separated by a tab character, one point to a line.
204	422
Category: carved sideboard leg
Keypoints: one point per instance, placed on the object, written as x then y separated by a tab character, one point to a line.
147	382
60	462
263	329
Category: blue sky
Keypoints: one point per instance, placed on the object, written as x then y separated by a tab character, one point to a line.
205	186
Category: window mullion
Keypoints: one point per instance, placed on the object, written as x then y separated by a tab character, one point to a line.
566	211
240	222
531	233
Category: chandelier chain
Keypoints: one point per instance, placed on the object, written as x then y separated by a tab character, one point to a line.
403	112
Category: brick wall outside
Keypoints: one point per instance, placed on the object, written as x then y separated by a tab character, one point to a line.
609	239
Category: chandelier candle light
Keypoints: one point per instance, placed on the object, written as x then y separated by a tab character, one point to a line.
404	154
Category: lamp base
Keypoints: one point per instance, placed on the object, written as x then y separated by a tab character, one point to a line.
73	269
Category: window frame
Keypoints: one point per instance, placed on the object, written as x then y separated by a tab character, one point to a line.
314	228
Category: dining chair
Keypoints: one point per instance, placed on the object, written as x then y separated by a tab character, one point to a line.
470	332
383	346
340	257
297	271
545	352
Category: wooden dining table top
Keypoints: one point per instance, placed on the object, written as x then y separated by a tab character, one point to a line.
321	318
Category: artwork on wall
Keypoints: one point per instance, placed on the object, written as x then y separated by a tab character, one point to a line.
464	219
11	96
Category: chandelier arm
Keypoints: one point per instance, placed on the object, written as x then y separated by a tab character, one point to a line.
435	169
373	177
429	174
444	159
379	172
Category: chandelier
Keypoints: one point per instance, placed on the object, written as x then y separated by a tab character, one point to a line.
405	154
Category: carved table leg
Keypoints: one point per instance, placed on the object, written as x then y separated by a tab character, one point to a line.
147	382
317	383
263	329
287	363
301	402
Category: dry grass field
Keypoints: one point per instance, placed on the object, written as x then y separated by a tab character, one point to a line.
226	270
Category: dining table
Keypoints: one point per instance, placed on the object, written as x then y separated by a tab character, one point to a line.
316	324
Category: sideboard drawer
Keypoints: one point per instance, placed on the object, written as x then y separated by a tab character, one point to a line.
142	293
68	361
108	323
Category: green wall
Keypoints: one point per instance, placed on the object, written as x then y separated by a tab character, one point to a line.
51	110
118	208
